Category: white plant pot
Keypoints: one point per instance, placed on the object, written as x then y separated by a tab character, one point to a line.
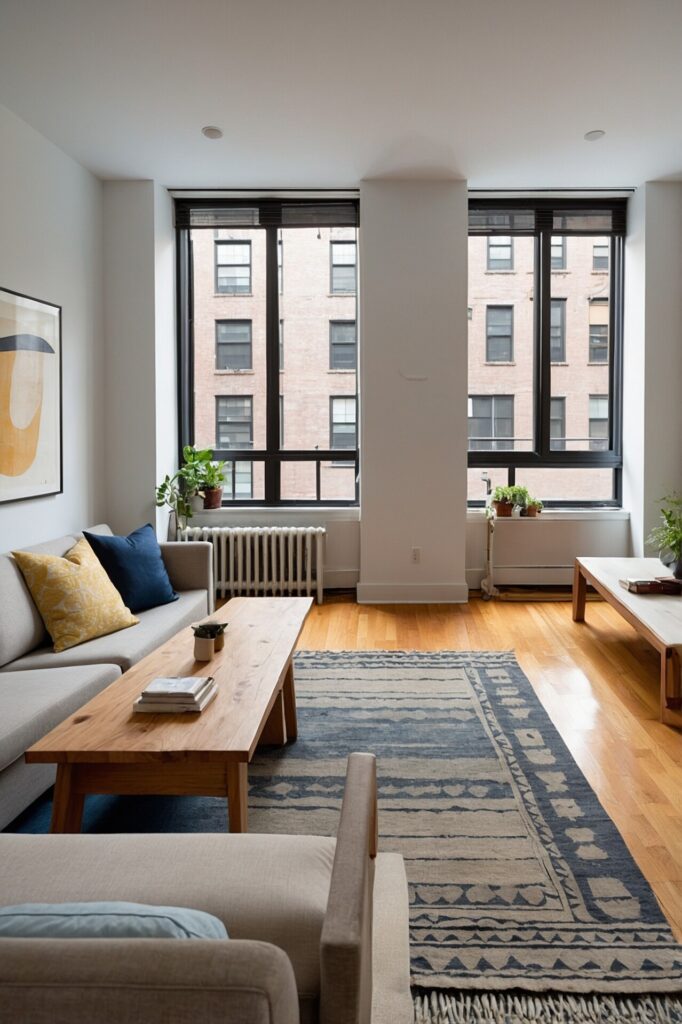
204	648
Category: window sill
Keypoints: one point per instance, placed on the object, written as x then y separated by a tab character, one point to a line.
598	362
309	515
338	369
232	295
235	373
500	272
498	362
475	515
559	362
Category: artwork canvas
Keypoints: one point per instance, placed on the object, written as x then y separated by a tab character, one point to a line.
30	397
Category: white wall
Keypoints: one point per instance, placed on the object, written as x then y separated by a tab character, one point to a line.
652	442
413	286
51	231
140	406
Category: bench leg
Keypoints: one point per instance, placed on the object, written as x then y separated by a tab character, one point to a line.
67	805
671	690
579	594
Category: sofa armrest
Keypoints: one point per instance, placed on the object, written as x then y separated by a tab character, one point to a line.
121	981
346	942
190	566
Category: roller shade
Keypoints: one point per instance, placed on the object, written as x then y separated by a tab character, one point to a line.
581	217
198	213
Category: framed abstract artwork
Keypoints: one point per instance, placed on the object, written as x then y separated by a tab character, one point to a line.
30	397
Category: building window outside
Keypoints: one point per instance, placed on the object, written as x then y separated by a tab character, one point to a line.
343	268
599	343
499	347
491	423
558	331
557	425
343	425
342	345
500	252
238	484
233	268
281	345
234	421
599	423
233	345
558	255
600	256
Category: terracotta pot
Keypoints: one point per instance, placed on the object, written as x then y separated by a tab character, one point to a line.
532	511
213	497
204	648
503	509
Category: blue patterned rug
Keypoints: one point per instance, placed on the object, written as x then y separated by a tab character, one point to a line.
518	878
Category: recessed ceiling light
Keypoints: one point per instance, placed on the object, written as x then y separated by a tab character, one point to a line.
211	132
594	135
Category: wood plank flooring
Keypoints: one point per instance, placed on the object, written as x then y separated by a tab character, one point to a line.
598	682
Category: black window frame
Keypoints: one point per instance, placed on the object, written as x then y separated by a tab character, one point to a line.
226	343
495	265
332	264
269	215
558	303
540	219
335	343
232	241
497	306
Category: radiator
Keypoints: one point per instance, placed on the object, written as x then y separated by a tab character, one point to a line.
257	560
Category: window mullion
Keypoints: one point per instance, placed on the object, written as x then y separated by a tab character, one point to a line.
543	346
272	439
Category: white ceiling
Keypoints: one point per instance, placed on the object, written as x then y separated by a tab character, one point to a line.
321	93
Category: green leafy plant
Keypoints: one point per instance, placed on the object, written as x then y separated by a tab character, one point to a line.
170	493
209	630
535	503
667	536
212	476
193	469
503	494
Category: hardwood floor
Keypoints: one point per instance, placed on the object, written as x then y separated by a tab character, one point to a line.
598	682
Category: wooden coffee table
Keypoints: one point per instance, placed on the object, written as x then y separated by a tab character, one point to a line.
656	617
106	748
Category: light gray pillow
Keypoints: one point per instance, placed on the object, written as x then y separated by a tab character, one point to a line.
107	920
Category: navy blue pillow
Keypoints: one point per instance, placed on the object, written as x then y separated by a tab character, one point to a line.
135	567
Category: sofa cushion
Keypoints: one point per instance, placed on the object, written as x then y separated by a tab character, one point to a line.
74	595
32	703
21	627
107	919
126	647
135	566
268	887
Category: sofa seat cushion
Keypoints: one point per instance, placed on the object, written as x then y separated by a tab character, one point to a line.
273	888
128	646
33	702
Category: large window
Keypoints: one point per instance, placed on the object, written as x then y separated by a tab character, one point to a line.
491	423
499	346
249	272
233	267
233	345
545	368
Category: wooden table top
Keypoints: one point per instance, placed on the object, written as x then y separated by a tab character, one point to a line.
660	613
249	671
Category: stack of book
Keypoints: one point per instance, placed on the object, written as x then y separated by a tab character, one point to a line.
176	695
659	585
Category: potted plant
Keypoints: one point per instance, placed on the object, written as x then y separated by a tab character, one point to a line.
211	483
503	502
194	462
667	536
534	507
171	493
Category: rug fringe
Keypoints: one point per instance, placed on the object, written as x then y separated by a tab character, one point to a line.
438	1007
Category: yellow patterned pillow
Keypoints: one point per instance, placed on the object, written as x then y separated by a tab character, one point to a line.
74	595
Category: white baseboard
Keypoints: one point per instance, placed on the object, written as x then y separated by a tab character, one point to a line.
413	593
525	575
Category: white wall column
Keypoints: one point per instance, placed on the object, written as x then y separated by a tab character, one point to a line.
413	300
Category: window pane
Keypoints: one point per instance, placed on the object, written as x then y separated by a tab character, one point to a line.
233	267
234	422
600	254
476	487
501	349
298	481
320	334
568	484
337	481
500	252
343	255
583	369
558	255
244	481
229	330
557	424
343	433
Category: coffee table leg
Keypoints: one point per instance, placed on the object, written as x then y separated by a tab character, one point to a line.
67	805
237	796
274	732
289	694
579	594
670	681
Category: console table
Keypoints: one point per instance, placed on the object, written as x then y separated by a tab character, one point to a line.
656	617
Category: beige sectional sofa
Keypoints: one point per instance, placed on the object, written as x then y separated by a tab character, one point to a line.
318	926
39	688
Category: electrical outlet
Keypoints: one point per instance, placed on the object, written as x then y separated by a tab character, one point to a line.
416	555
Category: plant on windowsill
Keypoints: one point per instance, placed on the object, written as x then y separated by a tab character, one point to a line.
180	492
171	493
667	536
211	482
505	499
